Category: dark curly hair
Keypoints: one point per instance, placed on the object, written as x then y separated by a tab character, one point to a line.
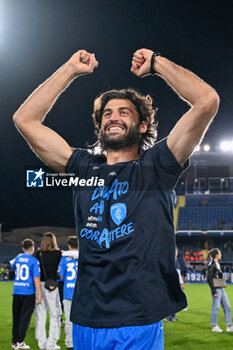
143	105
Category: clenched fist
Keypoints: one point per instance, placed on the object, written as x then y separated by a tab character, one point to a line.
83	62
141	62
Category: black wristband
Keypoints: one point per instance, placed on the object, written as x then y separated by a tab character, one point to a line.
152	61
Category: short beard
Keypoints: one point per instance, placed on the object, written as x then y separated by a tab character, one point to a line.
128	140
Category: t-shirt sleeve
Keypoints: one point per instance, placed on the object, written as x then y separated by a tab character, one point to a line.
61	267
77	157
13	264
166	167
36	268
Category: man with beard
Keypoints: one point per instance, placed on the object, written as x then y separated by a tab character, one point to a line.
127	281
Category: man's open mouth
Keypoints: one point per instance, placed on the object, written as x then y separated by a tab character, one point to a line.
115	128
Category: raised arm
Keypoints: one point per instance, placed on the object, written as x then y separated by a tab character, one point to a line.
51	148
202	98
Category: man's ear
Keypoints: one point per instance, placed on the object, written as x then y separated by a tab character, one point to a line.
143	127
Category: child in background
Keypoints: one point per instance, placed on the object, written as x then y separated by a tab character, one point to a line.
68	271
27	278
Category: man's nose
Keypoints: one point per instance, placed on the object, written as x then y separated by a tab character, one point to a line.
115	115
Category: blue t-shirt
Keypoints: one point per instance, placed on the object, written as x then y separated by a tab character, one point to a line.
127	274
26	268
68	268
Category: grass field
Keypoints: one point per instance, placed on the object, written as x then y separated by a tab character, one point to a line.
190	332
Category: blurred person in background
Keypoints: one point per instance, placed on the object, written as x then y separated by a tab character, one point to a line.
182	265
49	256
68	268
172	317
219	295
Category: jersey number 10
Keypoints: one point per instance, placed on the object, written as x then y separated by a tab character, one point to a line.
22	272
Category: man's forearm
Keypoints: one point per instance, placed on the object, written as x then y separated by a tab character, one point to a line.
42	99
50	147
190	129
186	84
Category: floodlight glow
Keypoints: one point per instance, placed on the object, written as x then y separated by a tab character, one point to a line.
206	148
225	146
197	149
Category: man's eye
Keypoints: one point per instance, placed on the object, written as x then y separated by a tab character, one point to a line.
124	112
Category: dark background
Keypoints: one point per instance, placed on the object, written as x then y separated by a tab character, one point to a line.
36	37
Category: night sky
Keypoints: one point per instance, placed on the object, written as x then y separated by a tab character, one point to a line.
38	36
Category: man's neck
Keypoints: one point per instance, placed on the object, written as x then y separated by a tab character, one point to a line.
30	252
125	155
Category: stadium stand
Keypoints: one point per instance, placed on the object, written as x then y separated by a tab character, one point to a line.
8	251
205	221
10	246
209	200
206	212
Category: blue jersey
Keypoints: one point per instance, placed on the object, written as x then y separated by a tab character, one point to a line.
26	268
68	269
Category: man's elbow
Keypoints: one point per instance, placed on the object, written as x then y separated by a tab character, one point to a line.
214	101
17	120
20	121
211	104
